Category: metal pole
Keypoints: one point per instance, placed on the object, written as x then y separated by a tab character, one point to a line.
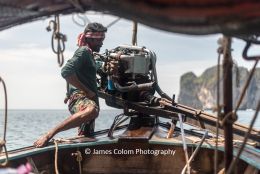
227	100
134	37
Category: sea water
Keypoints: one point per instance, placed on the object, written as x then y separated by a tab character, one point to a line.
25	126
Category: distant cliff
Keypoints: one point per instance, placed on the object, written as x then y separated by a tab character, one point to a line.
200	92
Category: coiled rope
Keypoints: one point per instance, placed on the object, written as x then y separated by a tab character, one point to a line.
78	159
76	18
3	142
61	39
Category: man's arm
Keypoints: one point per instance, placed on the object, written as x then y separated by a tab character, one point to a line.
68	72
73	79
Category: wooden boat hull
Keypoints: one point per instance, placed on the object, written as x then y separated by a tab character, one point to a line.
158	155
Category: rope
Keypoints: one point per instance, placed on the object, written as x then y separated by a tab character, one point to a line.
44	172
234	112
113	22
234	161
61	39
34	168
6	154
83	18
5	112
246	85
3	142
220	51
237	73
184	144
195	152
79	159
56	157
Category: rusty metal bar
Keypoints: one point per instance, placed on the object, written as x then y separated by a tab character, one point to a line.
228	103
170	112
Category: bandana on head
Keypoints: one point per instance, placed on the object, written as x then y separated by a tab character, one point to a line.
95	35
89	34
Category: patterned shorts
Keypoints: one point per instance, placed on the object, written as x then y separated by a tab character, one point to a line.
78	102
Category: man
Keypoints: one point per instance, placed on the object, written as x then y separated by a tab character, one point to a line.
80	73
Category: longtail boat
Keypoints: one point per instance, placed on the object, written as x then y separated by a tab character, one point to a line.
148	143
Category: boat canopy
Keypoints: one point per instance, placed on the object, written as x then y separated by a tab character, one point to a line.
200	17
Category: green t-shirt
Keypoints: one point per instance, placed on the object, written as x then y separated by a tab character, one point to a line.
83	65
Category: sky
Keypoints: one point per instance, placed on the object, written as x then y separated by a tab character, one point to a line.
32	75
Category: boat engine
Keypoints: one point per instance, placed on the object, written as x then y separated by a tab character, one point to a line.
127	72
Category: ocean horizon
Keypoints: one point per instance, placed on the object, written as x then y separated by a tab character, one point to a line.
25	126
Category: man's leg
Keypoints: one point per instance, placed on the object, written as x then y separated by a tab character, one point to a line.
87	114
87	129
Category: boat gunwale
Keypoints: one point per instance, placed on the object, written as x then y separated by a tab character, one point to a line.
25	152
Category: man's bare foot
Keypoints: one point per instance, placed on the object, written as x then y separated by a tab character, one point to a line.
42	141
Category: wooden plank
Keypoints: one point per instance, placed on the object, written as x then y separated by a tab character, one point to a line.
141	134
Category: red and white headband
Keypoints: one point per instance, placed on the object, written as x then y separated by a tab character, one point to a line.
95	35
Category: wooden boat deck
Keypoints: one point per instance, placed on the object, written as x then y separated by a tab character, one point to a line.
133	162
